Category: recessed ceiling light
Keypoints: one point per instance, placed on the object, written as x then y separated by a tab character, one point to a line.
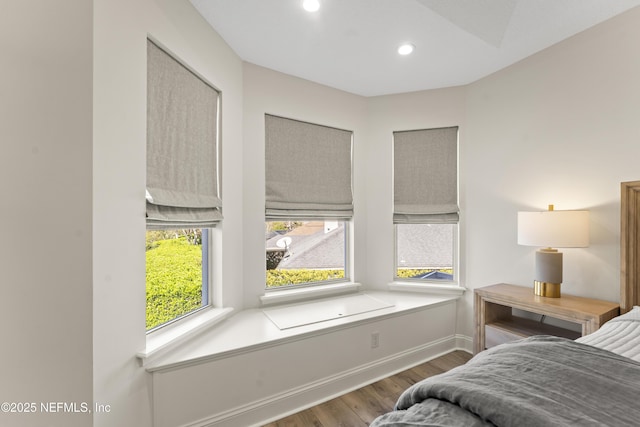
406	49
311	5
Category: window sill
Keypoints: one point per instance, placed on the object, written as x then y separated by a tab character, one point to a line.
427	288
169	337
251	330
299	294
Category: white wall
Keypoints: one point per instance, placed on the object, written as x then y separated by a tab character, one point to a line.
121	29
560	127
45	208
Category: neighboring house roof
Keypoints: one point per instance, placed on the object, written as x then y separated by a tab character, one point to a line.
311	247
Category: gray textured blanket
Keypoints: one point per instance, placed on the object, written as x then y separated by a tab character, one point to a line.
538	381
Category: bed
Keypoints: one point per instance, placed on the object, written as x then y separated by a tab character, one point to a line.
545	380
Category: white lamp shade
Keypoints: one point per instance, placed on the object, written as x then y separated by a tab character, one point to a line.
554	229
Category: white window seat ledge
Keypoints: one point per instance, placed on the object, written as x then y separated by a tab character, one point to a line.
163	341
252	329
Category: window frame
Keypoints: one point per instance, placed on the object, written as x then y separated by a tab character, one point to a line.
347	261
182	326
207	274
455	261
438	218
177	332
287	135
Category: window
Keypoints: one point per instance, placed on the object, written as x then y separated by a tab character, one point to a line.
177	274
182	190
425	251
308	202
426	204
305	252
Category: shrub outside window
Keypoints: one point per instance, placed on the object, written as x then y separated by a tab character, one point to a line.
176	274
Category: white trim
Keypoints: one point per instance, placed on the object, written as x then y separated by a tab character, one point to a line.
464	342
277	406
309	292
427	288
165	339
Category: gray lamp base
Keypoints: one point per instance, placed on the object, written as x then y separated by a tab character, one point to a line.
548	275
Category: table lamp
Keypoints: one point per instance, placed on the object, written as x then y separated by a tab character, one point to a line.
549	230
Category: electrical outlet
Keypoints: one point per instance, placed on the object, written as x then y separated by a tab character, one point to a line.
375	339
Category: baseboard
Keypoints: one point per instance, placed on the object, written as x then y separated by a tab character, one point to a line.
464	343
283	404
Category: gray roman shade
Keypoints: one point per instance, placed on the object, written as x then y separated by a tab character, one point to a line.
307	170
182	146
425	170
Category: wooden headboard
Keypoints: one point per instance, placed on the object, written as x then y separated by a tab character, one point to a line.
629	245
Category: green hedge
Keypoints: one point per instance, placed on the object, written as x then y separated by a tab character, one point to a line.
174	280
296	276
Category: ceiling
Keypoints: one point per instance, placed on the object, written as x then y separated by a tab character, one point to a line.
352	44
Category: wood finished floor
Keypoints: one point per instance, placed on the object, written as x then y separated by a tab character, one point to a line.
362	406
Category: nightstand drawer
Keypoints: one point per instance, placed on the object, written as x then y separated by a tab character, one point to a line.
515	328
494	336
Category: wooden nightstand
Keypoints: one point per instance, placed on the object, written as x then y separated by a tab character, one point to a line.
495	323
